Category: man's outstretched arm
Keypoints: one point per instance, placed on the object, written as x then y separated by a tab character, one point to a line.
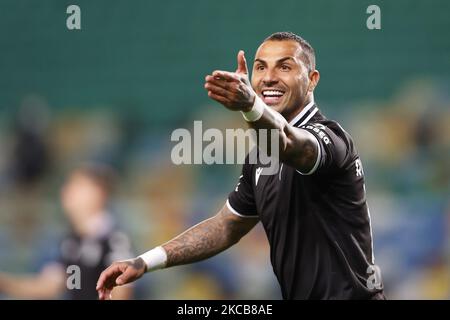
200	242
297	147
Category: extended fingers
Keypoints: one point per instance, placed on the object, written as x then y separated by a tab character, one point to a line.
219	82
219	98
107	281
217	89
104	294
227	76
102	279
231	89
107	277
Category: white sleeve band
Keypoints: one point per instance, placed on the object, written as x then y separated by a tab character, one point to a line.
155	258
256	112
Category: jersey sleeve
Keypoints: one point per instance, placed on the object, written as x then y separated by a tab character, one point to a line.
241	200
332	148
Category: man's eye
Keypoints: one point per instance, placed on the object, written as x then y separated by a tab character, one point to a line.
260	67
285	67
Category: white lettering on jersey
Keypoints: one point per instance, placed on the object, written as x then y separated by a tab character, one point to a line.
374	279
319	129
359	168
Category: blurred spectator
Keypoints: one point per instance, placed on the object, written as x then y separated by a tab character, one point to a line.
30	157
93	243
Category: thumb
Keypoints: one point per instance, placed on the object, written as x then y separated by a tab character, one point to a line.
242	63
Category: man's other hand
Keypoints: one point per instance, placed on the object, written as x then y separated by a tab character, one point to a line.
117	274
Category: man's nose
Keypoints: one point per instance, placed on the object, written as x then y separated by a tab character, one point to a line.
270	77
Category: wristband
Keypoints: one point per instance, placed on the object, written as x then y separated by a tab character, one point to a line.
154	259
256	112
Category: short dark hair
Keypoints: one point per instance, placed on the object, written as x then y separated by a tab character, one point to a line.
101	174
308	55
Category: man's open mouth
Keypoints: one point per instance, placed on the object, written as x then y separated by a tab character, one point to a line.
272	97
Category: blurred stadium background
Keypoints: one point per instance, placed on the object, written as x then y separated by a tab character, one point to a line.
114	91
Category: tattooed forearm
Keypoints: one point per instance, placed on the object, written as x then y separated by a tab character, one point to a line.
206	239
199	242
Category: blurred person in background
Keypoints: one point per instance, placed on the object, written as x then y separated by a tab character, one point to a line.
92	244
31	154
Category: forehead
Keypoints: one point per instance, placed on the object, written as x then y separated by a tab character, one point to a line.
80	177
274	50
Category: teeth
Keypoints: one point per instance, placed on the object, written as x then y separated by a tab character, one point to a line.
273	93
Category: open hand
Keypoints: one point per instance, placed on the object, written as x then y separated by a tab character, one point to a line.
232	89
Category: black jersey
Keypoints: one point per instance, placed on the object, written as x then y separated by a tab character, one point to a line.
93	255
317	223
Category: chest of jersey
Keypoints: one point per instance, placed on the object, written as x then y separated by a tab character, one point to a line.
277	196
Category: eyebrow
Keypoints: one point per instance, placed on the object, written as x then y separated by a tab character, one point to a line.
278	61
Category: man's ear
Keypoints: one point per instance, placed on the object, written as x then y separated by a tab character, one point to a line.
314	77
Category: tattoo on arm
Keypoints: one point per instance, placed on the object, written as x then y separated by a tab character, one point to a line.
302	150
206	239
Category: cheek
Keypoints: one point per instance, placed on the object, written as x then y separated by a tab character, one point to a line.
293	86
300	86
254	82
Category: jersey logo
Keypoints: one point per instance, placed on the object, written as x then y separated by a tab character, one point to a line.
258	173
319	129
359	168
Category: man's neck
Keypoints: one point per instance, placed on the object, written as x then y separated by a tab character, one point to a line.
299	112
